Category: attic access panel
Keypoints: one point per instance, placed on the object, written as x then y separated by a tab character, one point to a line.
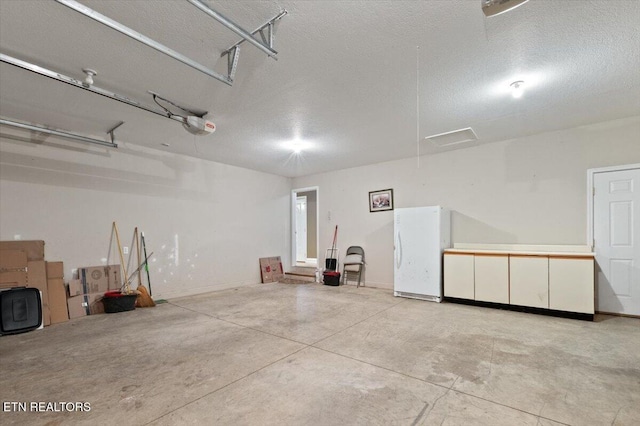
454	137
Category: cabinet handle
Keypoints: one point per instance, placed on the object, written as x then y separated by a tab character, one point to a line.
399	252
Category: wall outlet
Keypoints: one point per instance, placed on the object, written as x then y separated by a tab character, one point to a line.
125	250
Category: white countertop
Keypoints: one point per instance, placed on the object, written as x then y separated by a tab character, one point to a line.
519	252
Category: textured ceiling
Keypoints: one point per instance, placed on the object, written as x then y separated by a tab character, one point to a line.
351	79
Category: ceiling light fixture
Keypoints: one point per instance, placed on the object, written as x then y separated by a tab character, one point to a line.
90	74
496	7
517	89
296	146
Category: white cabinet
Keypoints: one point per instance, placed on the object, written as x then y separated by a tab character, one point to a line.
458	276
491	276
529	281
571	284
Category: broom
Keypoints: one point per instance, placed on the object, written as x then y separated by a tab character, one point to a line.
143	300
114	228
146	265
128	280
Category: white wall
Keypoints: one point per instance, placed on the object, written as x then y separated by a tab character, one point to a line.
530	190
206	222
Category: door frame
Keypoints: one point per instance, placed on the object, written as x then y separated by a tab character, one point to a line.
590	193
294	196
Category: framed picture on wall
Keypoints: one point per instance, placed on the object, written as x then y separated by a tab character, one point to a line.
380	201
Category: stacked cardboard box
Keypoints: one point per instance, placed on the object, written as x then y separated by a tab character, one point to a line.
57	292
22	264
33	249
85	293
13	268
37	277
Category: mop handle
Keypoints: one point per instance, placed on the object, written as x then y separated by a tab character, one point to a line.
335	237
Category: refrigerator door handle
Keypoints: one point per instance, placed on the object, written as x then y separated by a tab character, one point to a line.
398	252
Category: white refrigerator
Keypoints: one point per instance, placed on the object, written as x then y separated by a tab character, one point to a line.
420	236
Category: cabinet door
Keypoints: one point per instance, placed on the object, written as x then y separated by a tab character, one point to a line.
458	276
571	284
492	278
529	281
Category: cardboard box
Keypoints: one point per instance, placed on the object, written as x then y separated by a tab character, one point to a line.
13	268
96	279
271	269
55	270
86	304
33	249
78	287
57	300
75	288
37	277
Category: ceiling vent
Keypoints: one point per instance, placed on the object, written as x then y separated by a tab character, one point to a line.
453	138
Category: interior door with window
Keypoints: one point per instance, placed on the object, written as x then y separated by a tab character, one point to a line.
616	231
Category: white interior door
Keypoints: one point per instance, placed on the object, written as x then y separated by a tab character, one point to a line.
301	229
616	231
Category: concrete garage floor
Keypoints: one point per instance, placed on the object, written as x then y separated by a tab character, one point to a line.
277	354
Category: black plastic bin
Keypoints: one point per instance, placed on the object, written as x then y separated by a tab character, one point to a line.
332	278
117	302
331	260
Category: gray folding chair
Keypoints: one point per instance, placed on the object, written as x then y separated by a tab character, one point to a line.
353	263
